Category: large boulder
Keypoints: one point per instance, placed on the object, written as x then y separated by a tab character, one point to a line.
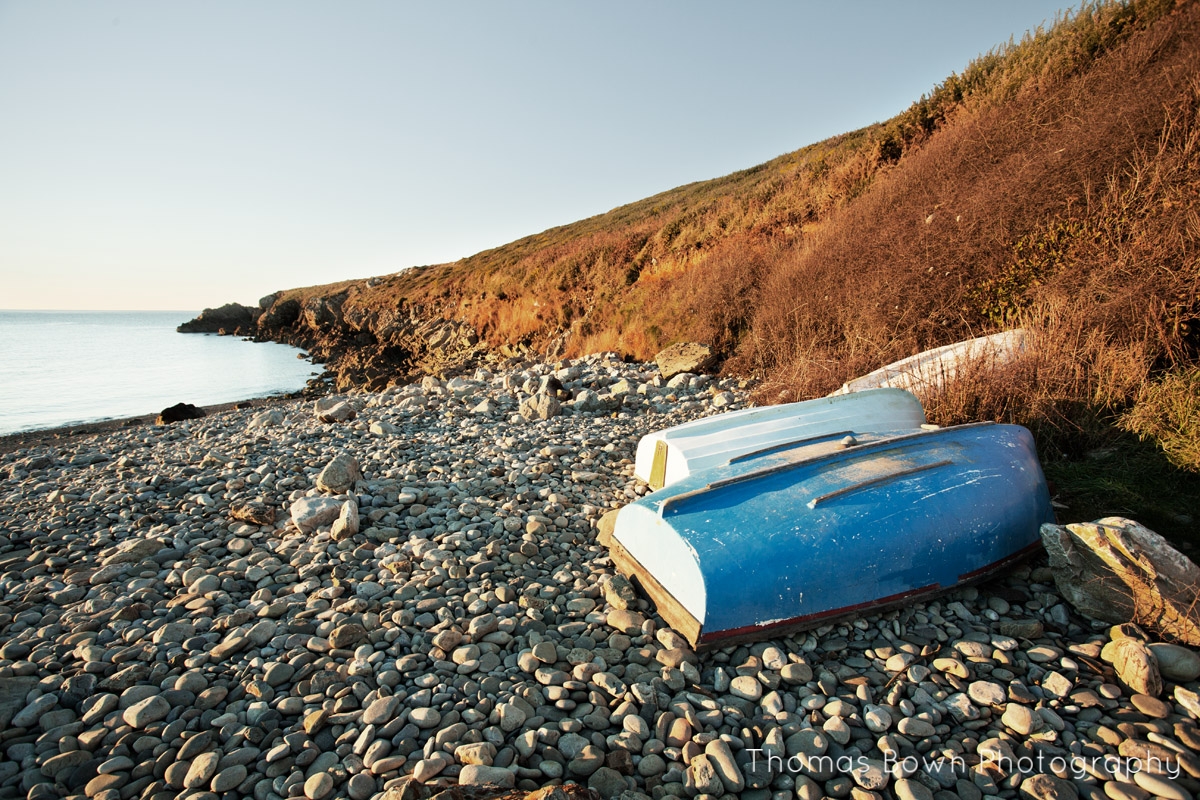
1119	571
310	513
684	357
540	406
339	475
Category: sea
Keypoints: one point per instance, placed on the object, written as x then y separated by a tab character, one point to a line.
66	367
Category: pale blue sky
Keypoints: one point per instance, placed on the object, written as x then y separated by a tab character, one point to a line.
180	155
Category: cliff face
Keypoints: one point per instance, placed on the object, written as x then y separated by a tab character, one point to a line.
364	346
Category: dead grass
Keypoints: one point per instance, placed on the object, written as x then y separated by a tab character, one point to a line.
935	247
1113	305
640	276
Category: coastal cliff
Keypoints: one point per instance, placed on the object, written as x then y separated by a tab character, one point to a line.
363	346
1049	185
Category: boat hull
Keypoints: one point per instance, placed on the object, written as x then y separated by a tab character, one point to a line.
932	369
791	539
668	456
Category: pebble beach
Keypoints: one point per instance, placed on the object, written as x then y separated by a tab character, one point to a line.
402	594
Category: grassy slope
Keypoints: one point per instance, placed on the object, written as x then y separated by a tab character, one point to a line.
1051	185
685	264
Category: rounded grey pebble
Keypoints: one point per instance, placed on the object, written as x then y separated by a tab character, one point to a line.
361	786
229	778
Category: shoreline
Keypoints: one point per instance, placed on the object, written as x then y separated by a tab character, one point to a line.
41	437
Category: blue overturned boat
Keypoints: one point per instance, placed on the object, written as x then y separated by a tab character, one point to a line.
831	526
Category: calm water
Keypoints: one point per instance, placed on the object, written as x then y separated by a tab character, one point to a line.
63	367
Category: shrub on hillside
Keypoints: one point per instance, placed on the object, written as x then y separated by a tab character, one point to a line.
1167	411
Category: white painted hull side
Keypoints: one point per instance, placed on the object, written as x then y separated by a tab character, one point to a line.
932	368
713	441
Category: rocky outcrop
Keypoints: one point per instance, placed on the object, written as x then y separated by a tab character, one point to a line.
231	318
364	344
324	314
279	314
1119	571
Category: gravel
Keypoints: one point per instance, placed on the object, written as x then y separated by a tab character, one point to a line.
267	605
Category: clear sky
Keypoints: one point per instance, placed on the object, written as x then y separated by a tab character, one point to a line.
185	154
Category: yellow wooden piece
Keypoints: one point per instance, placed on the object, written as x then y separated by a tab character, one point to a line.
658	469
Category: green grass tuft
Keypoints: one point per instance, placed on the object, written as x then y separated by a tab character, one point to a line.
1167	412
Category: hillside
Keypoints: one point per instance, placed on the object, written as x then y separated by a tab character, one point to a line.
1051	185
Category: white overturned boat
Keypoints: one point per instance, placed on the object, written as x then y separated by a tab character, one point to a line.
670	455
932	368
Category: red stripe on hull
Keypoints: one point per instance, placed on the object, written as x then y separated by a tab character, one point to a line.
714	639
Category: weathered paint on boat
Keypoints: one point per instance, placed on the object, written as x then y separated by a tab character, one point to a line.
785	540
668	456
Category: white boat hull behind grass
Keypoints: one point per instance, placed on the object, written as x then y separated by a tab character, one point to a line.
933	368
670	455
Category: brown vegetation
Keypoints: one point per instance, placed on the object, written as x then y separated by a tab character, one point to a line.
901	225
1111	296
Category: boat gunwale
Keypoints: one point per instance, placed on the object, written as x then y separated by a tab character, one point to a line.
718	421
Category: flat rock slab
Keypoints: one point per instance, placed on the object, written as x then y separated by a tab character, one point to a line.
684	357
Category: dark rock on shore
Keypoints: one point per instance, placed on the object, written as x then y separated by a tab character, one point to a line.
279	314
178	413
231	318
